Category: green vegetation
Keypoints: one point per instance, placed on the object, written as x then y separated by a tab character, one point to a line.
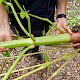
37	41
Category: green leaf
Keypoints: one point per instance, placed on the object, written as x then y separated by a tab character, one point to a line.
7	54
1	2
22	14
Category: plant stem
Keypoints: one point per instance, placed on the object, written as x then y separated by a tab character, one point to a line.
18	5
28	19
44	66
24	69
29	73
63	57
44	19
29	27
62	66
30	54
16	62
17	18
44	40
47	20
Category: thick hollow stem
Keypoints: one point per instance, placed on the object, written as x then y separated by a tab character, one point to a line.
44	40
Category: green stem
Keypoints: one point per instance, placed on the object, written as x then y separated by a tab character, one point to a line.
24	69
29	73
30	54
47	20
18	5
62	66
44	19
44	40
16	62
17	18
29	26
44	66
28	19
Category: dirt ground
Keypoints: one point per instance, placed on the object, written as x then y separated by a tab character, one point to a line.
70	72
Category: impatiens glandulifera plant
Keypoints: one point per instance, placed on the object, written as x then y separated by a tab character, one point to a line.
37	41
44	40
